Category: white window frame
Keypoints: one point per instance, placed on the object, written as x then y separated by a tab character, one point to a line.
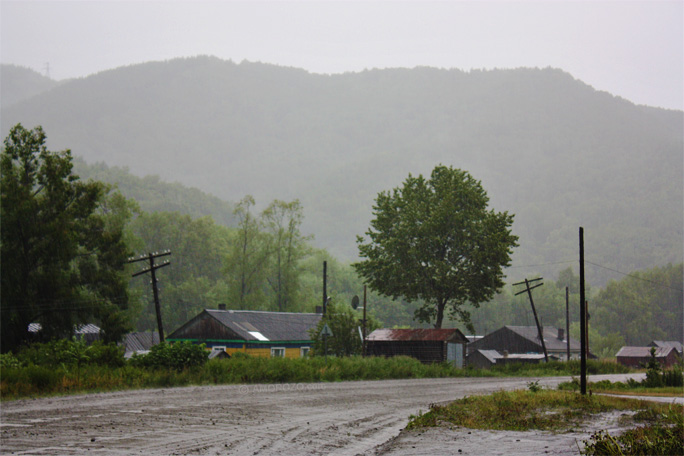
218	348
277	353
304	351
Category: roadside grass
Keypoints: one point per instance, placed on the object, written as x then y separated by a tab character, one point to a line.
28	379
629	388
524	410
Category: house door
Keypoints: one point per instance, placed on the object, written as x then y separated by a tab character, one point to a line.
455	354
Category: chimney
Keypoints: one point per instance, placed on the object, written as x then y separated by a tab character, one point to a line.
505	353
222	307
319	309
561	334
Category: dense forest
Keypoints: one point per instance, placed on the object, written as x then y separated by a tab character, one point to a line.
314	151
548	148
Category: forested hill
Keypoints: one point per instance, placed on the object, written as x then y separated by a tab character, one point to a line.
550	149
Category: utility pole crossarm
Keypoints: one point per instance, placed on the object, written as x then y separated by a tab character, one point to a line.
155	292
156	266
540	331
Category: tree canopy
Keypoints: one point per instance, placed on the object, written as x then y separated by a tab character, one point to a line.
435	240
63	250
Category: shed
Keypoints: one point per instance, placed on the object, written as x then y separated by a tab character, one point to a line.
426	345
639	356
139	343
525	340
668	343
259	333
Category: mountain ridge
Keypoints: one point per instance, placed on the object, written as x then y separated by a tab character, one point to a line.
549	148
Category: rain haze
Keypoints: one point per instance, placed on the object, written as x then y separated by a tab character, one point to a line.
631	49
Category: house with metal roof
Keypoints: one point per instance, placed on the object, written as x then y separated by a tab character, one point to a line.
426	345
258	333
525	340
668	343
639	356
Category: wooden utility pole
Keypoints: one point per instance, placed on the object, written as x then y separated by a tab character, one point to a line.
567	318
540	330
365	304
583	318
325	287
155	291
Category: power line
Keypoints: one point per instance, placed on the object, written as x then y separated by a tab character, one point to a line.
542	264
653	282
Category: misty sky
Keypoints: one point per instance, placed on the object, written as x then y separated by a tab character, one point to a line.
631	49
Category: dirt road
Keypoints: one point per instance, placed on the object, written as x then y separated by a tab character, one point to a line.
345	418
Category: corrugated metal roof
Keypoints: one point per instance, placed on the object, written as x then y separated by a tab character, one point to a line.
139	341
491	355
643	352
416	335
87	328
668	343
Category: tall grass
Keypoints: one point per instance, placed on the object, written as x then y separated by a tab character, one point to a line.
21	381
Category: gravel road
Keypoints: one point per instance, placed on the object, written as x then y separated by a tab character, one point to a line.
346	418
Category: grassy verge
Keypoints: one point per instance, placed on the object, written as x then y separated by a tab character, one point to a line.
32	380
659	427
630	388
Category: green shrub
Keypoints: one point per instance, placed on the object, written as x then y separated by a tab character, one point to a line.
71	352
177	356
8	361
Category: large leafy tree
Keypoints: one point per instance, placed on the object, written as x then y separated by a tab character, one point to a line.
435	241
63	249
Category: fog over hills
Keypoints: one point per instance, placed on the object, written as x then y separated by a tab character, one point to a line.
548	148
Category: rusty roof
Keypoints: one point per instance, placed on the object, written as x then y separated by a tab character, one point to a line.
452	334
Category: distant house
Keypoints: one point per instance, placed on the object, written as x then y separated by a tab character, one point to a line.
426	345
277	334
639	356
87	332
668	343
525	340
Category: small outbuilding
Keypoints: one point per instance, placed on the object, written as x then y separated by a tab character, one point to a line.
426	345
525	340
640	356
668	343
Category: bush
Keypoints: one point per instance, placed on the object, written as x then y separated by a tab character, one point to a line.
70	352
177	356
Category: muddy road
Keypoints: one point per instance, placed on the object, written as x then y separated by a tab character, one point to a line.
347	418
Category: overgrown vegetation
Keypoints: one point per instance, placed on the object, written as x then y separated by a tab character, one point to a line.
66	367
662	434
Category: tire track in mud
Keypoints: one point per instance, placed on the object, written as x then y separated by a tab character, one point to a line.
345	418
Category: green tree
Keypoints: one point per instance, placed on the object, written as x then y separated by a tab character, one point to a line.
287	248
247	258
63	253
434	240
198	251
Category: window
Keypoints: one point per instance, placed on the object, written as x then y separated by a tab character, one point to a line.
304	352
277	352
218	348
